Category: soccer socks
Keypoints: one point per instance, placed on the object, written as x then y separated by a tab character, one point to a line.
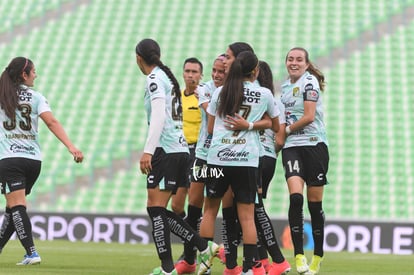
249	252
194	214
161	235
296	222
23	227
7	228
318	223
266	234
180	228
230	235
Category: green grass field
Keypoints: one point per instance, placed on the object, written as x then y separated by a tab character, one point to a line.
63	257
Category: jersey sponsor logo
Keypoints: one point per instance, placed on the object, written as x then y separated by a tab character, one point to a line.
153	87
18	148
233	141
232	155
182	140
290	104
151	76
308	87
251	96
25	95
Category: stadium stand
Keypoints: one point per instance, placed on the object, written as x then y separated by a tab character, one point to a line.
85	62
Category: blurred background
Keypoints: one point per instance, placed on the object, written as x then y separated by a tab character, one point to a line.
84	53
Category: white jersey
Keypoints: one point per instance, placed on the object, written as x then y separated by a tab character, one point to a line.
267	136
158	85
205	91
19	138
293	97
240	148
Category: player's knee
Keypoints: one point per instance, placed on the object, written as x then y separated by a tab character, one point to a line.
296	200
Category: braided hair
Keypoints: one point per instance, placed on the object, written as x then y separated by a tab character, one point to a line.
150	51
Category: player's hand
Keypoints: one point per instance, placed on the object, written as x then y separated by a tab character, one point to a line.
77	154
145	163
236	123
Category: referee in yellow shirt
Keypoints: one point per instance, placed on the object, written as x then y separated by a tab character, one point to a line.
192	74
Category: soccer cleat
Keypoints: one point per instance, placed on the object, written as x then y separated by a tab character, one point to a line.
315	265
265	264
222	255
182	257
205	258
183	267
279	269
301	263
160	271
233	271
258	269
30	260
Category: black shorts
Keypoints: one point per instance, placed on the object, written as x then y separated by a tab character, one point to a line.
267	167
199	171
168	171
191	162
18	173
308	162
243	181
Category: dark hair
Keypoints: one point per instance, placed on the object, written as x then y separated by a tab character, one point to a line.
232	93
238	47
194	60
311	68
265	76
150	51
10	81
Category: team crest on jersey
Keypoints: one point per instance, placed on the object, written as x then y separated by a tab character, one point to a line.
295	91
153	87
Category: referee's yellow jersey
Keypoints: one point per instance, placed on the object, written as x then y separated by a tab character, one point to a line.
191	117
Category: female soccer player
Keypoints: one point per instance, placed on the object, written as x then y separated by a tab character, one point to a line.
233	157
20	155
305	154
165	158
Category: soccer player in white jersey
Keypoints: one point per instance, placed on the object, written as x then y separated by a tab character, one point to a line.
305	154
186	265
271	145
165	158
20	154
233	157
267	241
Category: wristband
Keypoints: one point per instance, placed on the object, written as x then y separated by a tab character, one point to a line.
250	126
287	130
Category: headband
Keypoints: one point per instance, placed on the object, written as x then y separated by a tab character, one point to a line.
25	65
